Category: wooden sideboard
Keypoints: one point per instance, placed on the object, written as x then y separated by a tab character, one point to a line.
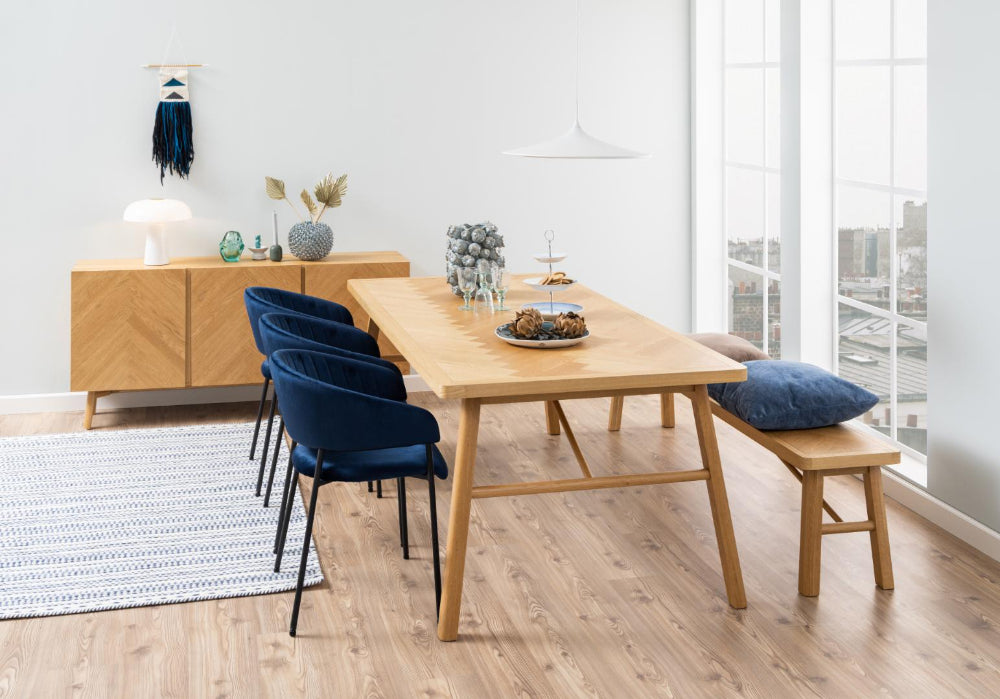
183	324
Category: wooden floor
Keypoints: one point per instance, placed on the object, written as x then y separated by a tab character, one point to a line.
612	593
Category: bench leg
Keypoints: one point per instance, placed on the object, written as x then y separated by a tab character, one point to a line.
667	409
615	414
811	533
551	418
875	501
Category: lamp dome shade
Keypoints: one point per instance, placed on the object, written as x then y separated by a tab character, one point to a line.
576	143
157	211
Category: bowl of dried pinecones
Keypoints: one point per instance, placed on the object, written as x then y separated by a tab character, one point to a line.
529	329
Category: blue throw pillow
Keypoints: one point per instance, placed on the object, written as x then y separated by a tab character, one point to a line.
780	395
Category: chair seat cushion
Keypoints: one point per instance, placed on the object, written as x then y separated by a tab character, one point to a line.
379	464
782	395
265	369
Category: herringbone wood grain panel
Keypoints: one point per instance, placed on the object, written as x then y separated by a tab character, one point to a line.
625	351
222	347
330	282
128	330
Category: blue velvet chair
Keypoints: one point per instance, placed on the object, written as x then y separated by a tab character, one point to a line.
280	331
260	300
348	422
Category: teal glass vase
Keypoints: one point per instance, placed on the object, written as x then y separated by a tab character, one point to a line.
231	246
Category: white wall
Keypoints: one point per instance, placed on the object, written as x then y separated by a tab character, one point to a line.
414	100
963	248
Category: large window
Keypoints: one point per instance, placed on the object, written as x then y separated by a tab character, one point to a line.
752	186
880	204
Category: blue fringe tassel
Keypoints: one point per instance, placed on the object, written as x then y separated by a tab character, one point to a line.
173	145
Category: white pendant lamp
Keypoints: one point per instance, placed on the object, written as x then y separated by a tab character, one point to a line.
576	143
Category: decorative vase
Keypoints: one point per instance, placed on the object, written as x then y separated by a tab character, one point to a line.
231	246
310	241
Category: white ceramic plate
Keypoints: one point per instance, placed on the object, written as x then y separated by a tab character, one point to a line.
536	284
540	344
554	257
550	309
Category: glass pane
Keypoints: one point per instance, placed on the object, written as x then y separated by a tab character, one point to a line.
745	215
746	306
772	114
774	319
911	249
773	182
911	387
863	124
745	115
910	168
772	30
863	358
863	264
744	31
862	29
911	28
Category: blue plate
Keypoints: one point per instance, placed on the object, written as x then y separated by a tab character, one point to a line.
550	310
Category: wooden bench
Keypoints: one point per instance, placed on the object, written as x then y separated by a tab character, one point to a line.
811	456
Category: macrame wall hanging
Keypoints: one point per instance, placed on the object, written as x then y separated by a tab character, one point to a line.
173	135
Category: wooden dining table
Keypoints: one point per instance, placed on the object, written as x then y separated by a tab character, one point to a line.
459	356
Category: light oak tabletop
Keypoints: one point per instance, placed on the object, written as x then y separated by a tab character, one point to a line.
459	355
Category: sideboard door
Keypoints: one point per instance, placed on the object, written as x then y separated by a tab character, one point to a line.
128	329
223	352
329	281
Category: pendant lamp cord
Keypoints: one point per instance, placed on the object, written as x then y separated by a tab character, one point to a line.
577	62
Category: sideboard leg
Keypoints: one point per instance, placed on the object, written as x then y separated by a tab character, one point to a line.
88	413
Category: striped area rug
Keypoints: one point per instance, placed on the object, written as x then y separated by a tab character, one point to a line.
106	520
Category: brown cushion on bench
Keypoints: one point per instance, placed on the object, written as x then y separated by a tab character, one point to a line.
736	348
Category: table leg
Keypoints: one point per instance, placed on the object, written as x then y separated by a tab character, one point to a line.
373	329
551	417
458	520
615	413
667	409
721	517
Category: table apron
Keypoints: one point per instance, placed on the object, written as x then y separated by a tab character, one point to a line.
599	393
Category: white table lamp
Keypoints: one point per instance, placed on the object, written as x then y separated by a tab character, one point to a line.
157	213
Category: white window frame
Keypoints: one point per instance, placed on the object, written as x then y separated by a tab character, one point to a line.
895	318
766	274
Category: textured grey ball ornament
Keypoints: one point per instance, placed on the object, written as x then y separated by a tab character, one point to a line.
310	241
469	244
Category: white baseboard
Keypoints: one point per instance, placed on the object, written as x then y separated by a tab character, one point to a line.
75	401
954	522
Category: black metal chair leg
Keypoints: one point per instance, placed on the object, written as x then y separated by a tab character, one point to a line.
305	543
274	461
260	414
371	486
378	489
434	530
284	499
267	440
404	533
283	529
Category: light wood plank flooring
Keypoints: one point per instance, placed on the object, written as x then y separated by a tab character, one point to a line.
612	593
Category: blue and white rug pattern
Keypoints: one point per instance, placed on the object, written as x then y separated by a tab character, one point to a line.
112	519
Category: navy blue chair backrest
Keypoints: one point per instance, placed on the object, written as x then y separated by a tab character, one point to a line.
281	331
339	404
262	299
